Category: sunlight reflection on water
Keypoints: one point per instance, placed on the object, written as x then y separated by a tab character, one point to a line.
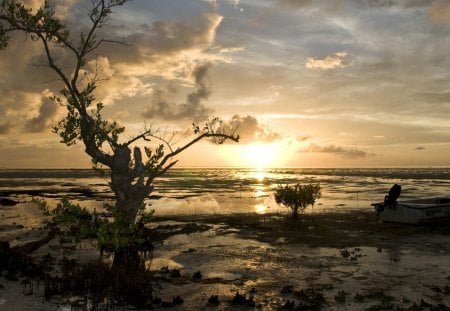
260	209
211	191
399	270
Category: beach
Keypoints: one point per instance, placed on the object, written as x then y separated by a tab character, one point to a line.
337	256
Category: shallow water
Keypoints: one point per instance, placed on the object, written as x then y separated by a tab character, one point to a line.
405	273
213	191
413	268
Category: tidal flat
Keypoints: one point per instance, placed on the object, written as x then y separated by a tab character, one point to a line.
330	260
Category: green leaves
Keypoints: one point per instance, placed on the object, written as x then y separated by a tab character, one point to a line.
216	131
90	128
69	128
154	156
116	235
67	212
297	196
3	38
40	25
111	235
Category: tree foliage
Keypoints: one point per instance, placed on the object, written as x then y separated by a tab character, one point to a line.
297	196
132	174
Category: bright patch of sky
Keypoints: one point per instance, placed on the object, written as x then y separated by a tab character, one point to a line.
363	83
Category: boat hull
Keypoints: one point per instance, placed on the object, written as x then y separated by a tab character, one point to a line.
415	211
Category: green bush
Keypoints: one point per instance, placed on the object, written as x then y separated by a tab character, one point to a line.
111	235
297	196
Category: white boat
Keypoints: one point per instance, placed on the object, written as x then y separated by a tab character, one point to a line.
414	211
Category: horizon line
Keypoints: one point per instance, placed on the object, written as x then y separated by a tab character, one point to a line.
248	167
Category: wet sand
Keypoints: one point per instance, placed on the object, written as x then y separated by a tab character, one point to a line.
328	261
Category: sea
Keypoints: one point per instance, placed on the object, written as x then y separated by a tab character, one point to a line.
186	191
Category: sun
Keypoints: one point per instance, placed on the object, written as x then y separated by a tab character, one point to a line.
261	156
257	156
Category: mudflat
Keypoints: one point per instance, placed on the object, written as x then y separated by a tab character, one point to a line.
332	260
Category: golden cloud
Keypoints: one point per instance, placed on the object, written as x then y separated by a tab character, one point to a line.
336	60
440	12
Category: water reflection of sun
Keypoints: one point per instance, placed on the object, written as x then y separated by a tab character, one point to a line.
259	192
260	175
260	208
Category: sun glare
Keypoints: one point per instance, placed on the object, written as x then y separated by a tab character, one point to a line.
260	209
261	156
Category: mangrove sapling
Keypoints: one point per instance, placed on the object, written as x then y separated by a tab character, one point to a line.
297	197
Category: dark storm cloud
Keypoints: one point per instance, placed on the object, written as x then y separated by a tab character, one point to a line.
193	108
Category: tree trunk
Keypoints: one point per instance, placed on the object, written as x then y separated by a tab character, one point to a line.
295	212
128	185
127	260
131	282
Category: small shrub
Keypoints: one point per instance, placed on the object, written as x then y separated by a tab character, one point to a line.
297	196
41	205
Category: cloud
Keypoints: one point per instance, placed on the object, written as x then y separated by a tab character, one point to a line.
250	130
174	36
47	110
163	51
167	48
347	153
114	84
379	3
440	12
295	3
358	3
193	109
326	6
235	4
27	112
437	97
303	138
6	127
33	4
337	60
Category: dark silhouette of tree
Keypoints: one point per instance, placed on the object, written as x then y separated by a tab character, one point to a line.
297	197
132	175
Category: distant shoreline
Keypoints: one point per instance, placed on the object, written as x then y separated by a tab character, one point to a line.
245	167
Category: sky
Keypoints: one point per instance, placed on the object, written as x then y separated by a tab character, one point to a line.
308	83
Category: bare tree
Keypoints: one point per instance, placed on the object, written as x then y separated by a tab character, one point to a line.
132	175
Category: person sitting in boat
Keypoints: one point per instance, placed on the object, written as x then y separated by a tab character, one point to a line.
390	200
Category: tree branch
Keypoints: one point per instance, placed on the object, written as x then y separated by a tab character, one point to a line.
162	168
100	42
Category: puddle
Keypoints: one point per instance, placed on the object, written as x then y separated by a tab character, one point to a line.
226	276
411	267
261	270
158	263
